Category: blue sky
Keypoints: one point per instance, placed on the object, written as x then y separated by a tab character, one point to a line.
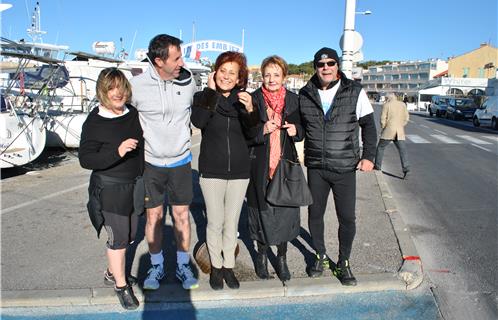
397	29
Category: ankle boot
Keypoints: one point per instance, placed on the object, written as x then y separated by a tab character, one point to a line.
216	278
262	266
230	278
283	269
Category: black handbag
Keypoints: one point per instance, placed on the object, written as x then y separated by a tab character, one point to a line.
288	187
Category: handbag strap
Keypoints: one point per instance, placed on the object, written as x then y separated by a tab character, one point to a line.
293	147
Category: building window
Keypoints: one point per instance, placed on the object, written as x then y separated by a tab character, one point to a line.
465	72
481	72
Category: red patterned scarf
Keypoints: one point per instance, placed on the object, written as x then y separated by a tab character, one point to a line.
275	102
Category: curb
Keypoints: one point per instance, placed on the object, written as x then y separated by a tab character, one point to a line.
170	292
411	271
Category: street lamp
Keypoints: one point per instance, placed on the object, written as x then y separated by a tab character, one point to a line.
349	45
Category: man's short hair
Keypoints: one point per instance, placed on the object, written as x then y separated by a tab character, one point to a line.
159	46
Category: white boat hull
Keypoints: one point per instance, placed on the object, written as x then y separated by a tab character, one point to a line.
22	139
65	129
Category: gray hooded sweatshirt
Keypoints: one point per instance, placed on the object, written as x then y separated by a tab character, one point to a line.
164	108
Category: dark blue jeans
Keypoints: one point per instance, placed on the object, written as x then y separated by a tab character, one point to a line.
400	145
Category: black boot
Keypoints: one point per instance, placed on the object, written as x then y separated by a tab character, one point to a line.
321	263
283	269
262	266
216	278
343	272
230	278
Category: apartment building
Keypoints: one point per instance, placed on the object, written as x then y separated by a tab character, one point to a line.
404	78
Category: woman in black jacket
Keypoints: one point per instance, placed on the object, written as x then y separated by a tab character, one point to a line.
279	127
112	146
221	111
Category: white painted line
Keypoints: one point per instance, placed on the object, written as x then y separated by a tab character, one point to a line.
424	126
494	138
441	132
445	139
473	140
478	146
52	195
416	138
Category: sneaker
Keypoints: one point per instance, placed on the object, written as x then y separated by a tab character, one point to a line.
154	275
110	281
186	276
343	272
321	263
127	297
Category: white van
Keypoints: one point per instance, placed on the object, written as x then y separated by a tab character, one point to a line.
487	114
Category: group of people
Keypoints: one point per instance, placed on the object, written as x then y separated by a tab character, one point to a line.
137	144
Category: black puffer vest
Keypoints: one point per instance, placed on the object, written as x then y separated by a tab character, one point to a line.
332	142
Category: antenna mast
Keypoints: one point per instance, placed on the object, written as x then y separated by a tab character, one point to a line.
35	31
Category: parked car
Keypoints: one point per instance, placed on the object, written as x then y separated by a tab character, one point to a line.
460	108
487	114
438	106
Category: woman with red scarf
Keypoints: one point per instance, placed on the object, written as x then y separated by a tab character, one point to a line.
279	128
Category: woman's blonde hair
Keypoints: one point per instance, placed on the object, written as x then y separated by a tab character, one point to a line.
111	78
279	61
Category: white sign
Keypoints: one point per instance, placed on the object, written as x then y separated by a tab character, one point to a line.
210	45
464	82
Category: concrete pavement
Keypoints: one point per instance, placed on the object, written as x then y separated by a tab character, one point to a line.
50	254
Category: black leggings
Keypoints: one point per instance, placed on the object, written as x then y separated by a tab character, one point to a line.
343	187
281	248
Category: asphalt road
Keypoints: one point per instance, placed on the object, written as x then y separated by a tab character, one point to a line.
450	205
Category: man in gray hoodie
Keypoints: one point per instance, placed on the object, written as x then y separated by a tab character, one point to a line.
163	96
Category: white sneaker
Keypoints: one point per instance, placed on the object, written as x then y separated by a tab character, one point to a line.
186	276
154	275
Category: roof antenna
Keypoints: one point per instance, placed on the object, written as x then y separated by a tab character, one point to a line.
35	31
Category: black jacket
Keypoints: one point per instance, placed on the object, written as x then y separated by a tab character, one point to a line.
332	141
266	223
224	153
98	151
259	146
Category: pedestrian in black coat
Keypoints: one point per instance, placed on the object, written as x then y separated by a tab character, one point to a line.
279	127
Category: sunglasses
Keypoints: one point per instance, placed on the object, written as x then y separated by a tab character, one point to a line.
328	63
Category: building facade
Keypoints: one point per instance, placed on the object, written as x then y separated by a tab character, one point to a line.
403	78
479	63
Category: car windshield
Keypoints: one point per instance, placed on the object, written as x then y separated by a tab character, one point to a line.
464	103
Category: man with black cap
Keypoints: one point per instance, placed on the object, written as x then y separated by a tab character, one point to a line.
333	108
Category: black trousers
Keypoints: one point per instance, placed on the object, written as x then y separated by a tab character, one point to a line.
343	187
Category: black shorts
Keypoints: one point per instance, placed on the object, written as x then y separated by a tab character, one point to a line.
120	220
175	182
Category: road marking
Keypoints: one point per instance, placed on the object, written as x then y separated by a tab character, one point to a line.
424	126
445	139
478	146
472	139
416	138
491	138
52	195
441	132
